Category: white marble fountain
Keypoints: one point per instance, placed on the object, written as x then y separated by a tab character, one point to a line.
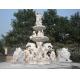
40	52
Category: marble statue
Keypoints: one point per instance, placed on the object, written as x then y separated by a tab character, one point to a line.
27	54
49	48
53	56
63	55
32	51
38	19
34	35
40	34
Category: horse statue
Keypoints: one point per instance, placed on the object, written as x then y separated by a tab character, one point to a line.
48	48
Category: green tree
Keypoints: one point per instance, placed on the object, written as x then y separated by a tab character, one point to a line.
49	20
56	26
1	47
21	28
75	27
62	29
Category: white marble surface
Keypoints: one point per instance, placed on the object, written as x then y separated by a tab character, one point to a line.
5	65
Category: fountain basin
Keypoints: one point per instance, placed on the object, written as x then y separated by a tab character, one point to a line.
39	39
57	65
38	28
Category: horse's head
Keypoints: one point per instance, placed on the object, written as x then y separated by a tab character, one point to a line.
48	46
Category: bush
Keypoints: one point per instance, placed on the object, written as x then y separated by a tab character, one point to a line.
2	58
73	49
75	54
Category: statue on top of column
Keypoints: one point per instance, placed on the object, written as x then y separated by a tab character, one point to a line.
38	19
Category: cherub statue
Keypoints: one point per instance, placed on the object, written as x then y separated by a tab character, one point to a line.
34	34
40	33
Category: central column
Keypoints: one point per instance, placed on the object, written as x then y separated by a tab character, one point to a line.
39	38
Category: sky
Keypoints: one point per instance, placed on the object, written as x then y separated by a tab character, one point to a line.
7	14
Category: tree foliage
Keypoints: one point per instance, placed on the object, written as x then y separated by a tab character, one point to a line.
1	48
22	28
57	26
75	27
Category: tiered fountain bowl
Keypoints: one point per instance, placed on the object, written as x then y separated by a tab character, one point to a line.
40	39
39	28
